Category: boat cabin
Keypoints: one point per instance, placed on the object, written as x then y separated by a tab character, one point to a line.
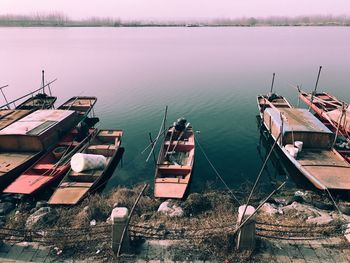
37	131
297	125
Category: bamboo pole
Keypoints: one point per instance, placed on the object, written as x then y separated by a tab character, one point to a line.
259	175
257	209
314	92
159	133
154	156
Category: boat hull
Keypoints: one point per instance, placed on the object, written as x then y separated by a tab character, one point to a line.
173	175
76	186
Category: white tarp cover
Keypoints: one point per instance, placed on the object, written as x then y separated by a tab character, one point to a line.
44	118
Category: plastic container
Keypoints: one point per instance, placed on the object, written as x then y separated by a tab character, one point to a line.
81	162
299	145
292	150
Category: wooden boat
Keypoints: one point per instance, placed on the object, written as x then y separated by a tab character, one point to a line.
24	141
272	100
81	104
175	162
76	186
50	167
334	112
37	102
318	161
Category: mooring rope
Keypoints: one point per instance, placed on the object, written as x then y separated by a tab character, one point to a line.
216	171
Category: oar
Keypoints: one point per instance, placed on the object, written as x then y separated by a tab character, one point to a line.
159	133
180	136
314	92
171	138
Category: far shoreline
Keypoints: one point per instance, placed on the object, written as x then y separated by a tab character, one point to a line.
149	25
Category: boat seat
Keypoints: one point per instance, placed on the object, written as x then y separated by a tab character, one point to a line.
182	168
105	150
87	176
43	166
73	144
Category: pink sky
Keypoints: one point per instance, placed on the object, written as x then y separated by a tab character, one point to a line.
176	9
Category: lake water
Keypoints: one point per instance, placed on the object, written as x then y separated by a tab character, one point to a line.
209	75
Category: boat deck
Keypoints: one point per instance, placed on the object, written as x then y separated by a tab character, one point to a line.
327	166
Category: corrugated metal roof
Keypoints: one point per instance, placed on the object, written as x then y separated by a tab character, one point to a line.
35	121
297	120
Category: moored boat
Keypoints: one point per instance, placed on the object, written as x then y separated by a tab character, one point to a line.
50	167
24	141
175	161
307	143
334	112
38	102
77	185
83	105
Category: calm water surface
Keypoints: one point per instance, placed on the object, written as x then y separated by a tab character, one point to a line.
209	75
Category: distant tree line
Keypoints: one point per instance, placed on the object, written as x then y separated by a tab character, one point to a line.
61	20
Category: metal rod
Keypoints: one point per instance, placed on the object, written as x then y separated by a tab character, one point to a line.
43	80
3	94
273	81
31	93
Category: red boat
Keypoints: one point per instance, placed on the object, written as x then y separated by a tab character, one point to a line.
334	112
77	185
175	162
51	167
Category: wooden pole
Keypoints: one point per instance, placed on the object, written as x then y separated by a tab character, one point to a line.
273	81
314	91
259	175
130	215
257	209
